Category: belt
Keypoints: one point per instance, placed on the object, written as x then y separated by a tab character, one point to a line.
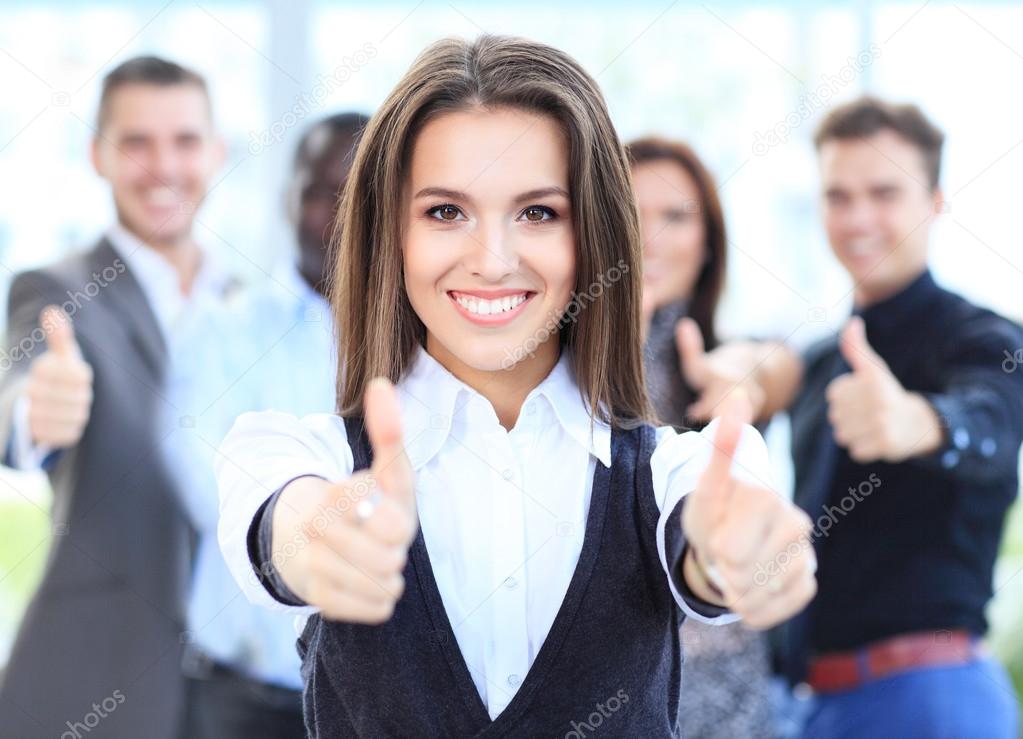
202	668
836	671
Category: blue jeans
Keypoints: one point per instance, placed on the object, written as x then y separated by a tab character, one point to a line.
971	701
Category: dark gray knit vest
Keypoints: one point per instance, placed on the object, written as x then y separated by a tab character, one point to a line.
611	664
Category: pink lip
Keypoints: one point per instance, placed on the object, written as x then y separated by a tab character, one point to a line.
498	319
491	294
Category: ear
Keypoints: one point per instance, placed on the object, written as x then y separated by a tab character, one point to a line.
219	154
940	205
290	198
94	156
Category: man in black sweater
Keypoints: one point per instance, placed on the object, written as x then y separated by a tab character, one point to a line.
905	436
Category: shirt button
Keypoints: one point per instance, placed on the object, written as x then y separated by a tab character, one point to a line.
988	447
531	409
961	438
511	583
514	680
507	474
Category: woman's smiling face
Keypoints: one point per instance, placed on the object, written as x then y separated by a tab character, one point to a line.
489	248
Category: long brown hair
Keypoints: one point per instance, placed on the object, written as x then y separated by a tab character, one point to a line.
377	330
711	279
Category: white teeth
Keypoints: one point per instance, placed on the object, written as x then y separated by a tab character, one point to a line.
481	307
161	196
861	247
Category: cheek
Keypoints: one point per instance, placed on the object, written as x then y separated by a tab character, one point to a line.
126	173
686	254
556	265
425	263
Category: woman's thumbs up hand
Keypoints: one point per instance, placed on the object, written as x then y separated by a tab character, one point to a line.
738	534
342	546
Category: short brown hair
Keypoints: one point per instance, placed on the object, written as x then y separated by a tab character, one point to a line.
378	332
868	115
711	279
145	70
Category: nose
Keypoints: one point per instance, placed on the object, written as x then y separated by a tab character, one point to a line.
163	163
859	217
491	254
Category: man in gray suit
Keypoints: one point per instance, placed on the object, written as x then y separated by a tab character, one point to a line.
90	341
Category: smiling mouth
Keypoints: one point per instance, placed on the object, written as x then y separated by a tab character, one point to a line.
162	197
492	310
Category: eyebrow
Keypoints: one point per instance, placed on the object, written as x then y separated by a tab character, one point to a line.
537	194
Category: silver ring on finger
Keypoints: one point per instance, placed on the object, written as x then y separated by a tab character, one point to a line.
811	563
365	507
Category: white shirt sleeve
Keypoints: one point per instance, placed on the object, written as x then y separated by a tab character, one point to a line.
25	455
676	465
262	453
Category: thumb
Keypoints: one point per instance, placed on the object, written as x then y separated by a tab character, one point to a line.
715	483
391	467
60	334
691	353
857	351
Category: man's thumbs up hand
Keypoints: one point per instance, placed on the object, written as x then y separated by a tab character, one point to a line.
736	531
871	414
355	534
59	385
858	353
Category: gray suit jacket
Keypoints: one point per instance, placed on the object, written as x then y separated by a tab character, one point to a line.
105	629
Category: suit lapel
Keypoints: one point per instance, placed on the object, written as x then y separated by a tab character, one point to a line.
132	307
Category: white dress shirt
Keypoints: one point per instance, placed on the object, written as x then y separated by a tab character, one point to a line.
503	513
278	329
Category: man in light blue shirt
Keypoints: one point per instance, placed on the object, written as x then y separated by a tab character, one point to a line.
271	347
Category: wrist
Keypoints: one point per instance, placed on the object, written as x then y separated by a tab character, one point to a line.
926	433
698	581
294	512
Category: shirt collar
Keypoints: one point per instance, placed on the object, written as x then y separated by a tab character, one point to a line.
159	279
432	397
894	313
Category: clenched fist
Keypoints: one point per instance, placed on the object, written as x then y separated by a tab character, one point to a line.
871	414
358	531
59	386
736	532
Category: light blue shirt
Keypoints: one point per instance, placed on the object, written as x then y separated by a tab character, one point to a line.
271	347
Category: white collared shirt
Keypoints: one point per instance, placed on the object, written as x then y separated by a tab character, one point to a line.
503	513
271	347
161	283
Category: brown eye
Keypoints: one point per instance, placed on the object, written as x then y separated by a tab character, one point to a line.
444	212
537	213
